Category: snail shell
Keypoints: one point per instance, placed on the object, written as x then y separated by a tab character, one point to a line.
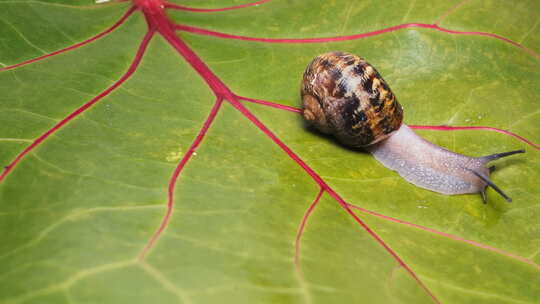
343	95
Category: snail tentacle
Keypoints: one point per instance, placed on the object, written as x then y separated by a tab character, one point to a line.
495	156
491	184
343	95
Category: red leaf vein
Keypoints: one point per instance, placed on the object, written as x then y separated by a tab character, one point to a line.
201	31
154	12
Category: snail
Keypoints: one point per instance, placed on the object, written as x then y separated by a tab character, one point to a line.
344	96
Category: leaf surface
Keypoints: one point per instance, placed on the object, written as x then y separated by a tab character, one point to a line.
78	211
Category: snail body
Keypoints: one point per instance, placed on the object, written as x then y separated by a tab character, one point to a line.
343	95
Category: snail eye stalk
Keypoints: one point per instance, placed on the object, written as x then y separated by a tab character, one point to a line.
491	184
495	156
344	96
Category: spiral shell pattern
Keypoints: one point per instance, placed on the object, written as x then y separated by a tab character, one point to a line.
343	95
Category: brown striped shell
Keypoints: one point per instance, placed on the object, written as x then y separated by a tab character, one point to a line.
343	95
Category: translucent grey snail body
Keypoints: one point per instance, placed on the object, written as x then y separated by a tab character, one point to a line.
343	95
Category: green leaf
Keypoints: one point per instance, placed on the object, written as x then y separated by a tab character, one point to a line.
78	210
